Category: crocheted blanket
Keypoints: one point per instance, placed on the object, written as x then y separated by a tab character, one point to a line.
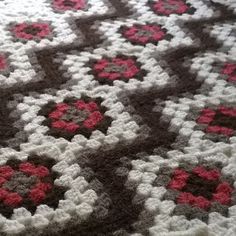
118	117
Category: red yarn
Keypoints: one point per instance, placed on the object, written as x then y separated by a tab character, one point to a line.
37	195
232	78
62	107
62	6
179	179
20	30
207	116
228	111
2	181
229	69
92	106
204	120
80	104
6	172
177	184
56	114
71	127
96	116
223	198
89	123
13	199
27	168
180	174
224	187
220	130
3	63
129	64
41	171
208	112
223	193
209	175
188	198
3	194
179	7
155	33
45	187
60	124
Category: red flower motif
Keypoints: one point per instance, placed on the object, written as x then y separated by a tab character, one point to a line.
143	34
167	7
72	117
30	31
180	182
116	68
64	5
10	196
230	70
75	116
3	63
219	121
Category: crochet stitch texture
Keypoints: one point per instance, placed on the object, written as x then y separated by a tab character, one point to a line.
118	117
